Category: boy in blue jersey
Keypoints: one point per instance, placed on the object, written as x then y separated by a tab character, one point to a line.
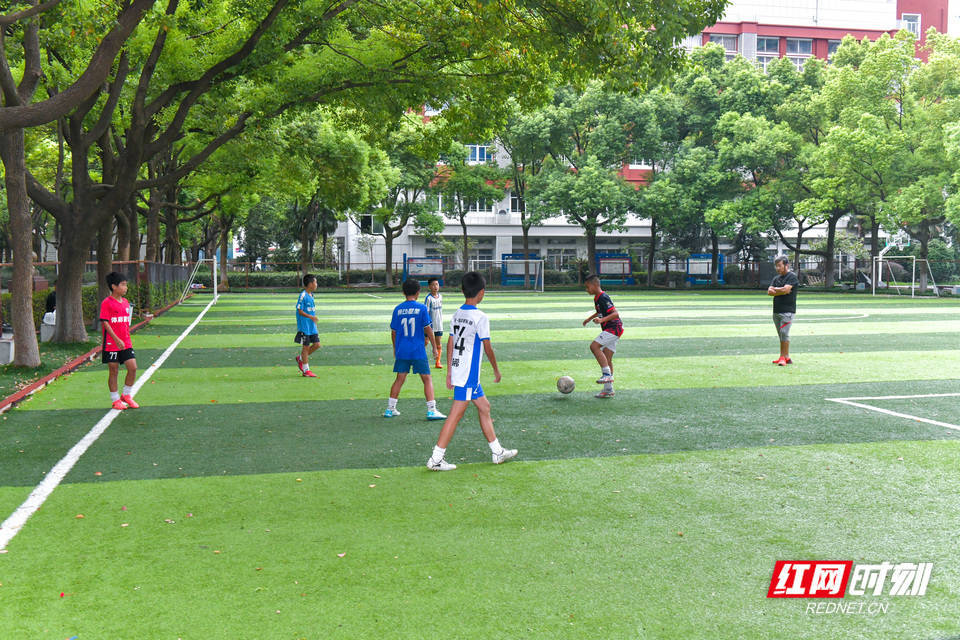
469	328
408	326
308	337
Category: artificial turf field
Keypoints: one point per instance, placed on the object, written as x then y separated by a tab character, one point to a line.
245	501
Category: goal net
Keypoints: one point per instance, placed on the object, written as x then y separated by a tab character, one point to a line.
885	276
203	271
511	274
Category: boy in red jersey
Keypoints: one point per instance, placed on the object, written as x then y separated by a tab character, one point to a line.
115	316
604	345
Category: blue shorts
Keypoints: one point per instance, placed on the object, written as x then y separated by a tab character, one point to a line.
468	393
403	365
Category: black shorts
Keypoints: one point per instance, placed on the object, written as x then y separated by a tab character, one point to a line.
305	339
117	357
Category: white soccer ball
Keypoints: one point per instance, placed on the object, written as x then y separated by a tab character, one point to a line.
565	384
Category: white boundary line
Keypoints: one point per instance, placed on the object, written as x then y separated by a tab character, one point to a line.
13	524
849	401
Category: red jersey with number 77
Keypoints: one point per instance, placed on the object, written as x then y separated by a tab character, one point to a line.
118	314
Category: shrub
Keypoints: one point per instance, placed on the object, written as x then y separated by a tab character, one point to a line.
554	276
661	279
732	274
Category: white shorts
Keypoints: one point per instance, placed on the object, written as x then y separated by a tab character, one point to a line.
607	340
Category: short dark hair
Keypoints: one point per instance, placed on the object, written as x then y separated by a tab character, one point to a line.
784	259
433	279
411	286
307	279
114	279
472	284
590	277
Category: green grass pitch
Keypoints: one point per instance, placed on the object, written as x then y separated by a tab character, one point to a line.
245	501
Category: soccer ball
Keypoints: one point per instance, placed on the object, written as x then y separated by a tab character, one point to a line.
565	384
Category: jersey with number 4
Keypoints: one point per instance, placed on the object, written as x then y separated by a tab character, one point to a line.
469	327
409	320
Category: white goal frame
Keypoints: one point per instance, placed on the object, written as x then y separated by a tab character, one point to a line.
878	262
193	276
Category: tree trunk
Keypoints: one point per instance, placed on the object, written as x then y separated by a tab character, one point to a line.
796	251
171	241
73	255
466	242
26	349
123	237
133	218
224	240
715	256
304	250
591	234
153	228
387	253
829	263
104	263
874	237
924	268
651	256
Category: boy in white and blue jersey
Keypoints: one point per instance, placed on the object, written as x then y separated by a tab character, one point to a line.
434	302
308	337
408	327
469	333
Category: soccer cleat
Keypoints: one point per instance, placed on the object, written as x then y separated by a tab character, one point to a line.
391	413
504	455
779	361
604	379
788	361
309	374
300	363
119	405
438	365
441	465
605	394
128	400
433	414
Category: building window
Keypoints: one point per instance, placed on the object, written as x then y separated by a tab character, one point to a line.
479	206
911	22
560	258
832	46
769	46
799	50
517	204
729	43
369	225
478	153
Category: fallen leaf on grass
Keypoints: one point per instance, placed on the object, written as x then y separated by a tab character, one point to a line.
79	516
340	555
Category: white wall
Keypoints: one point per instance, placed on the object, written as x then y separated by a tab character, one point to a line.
846	14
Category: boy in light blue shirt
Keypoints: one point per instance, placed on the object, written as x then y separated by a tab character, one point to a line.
408	326
308	336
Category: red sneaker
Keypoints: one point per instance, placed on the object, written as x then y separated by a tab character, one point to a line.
119	405
300	364
788	361
309	374
128	400
779	361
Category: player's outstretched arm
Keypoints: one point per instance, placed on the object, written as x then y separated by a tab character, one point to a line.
492	359
592	316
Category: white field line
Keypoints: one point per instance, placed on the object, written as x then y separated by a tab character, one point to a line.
373	296
850	401
13	524
819	318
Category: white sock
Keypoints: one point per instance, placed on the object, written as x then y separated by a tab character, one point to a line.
495	446
306	367
606	371
438	453
391	403
127	390
114	395
431	405
608	387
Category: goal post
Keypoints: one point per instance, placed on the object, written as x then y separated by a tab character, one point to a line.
193	279
882	275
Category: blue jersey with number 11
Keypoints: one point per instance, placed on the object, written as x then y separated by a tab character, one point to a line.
409	320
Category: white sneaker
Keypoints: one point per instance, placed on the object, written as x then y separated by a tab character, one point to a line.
504	455
442	465
390	413
604	379
435	415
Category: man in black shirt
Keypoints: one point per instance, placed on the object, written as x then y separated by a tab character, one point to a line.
784	292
